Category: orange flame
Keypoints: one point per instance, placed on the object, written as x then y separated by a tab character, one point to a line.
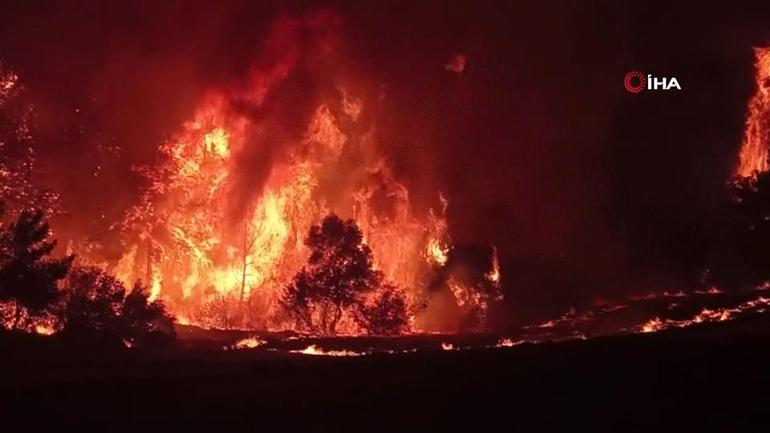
754	149
217	268
318	351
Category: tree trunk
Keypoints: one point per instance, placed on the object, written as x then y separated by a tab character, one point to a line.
337	317
325	318
243	279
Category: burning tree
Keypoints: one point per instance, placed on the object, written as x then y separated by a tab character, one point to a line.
754	149
18	189
463	290
218	227
28	276
337	279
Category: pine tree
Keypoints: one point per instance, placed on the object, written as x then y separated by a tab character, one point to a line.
28	275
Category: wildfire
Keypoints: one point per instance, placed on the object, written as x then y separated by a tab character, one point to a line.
219	230
754	150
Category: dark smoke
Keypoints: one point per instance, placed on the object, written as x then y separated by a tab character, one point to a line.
292	56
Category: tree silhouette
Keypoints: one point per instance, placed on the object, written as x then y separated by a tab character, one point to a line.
92	304
337	277
249	239
386	314
98	308
28	276
146	324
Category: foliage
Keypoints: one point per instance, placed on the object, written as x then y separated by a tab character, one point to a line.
98	307
218	311
336	279
386	314
28	275
18	186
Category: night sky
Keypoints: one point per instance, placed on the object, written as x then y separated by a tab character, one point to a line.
588	191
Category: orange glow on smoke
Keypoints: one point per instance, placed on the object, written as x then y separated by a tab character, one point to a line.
754	150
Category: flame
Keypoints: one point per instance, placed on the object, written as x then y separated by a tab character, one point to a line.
436	252
437	248
508	342
713	290
754	149
44	329
318	351
493	276
249	343
218	255
652	325
760	304
216	143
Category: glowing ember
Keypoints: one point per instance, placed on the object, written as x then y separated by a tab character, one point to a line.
712	316
447	346
652	325
760	304
249	343
318	351
508	342
44	329
713	290
754	150
548	324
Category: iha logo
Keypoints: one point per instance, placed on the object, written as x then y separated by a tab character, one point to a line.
635	82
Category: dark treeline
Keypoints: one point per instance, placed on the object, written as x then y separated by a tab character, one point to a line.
39	292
